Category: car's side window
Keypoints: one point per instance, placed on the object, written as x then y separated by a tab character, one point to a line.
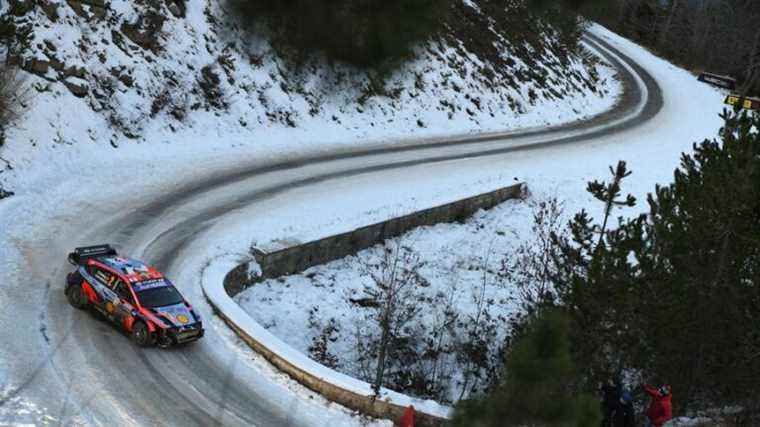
123	291
103	276
90	270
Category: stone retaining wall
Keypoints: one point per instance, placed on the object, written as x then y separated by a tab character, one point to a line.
298	258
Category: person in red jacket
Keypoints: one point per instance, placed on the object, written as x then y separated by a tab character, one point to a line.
660	409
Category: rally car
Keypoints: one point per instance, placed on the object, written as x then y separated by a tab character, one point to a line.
133	295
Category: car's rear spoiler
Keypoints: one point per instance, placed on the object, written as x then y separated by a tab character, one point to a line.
81	255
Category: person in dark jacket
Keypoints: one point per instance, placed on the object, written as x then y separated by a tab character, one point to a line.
625	414
610	401
661	407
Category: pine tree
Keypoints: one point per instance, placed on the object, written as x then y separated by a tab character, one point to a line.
609	194
537	389
597	279
704	269
364	33
675	294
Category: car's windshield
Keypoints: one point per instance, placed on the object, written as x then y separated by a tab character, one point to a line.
159	296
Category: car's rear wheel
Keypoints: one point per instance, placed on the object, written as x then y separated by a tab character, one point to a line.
141	334
76	297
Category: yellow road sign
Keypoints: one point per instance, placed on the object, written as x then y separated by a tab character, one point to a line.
749	103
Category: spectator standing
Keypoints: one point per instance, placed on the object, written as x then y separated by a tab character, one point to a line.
660	408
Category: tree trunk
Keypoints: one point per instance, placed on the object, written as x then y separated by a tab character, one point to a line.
381	362
665	33
386	326
752	74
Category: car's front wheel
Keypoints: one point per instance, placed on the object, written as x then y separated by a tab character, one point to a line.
141	334
76	296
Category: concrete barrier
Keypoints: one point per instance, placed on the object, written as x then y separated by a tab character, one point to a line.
334	386
337	387
281	261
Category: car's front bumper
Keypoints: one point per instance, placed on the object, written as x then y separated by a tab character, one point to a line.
186	334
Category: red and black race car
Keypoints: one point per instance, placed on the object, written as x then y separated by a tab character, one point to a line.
133	295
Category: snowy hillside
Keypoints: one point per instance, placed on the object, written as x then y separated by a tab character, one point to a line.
124	73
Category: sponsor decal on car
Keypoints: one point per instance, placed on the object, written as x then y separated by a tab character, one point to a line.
176	313
149	284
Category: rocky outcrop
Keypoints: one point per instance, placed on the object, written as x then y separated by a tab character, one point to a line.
36	66
145	32
178	8
20	7
49	8
77	87
89	9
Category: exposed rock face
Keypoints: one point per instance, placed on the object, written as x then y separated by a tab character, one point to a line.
56	64
89	9
178	8
146	31
122	76
4	194
77	88
20	7
37	66
74	71
41	67
49	8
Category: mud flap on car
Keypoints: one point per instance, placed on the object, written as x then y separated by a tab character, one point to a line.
91	295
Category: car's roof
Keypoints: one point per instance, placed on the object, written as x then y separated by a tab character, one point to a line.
134	270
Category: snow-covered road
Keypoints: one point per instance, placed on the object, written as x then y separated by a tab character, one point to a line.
60	365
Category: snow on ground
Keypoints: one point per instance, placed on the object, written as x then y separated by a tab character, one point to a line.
70	159
25	412
690	422
297	307
57	180
147	101
455	259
